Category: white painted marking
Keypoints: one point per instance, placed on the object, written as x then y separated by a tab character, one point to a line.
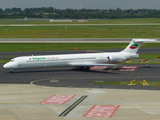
102	111
94	91
130	67
98	68
127	69
58	99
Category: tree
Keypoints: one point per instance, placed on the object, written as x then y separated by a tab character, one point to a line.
16	10
1	10
8	10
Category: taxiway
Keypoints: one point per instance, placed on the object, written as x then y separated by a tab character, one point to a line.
73	77
65	92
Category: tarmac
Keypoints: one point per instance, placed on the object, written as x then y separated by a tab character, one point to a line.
23	95
22	102
68	40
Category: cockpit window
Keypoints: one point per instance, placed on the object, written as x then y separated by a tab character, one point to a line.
12	60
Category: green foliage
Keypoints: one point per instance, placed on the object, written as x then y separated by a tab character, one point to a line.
53	13
149	56
83	31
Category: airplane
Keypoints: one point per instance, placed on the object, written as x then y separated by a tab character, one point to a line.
83	60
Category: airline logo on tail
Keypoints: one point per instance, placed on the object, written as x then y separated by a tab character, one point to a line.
134	46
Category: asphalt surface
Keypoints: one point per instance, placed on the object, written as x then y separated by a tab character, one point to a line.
67	40
23	91
73	77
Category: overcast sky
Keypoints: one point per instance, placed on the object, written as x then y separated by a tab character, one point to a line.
75	4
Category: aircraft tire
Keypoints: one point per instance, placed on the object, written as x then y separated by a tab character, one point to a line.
87	68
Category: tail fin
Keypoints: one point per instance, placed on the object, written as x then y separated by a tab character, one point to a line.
135	44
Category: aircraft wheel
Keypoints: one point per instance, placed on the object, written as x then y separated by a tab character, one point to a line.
81	68
87	68
11	71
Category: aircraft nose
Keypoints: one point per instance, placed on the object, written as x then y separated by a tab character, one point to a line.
7	66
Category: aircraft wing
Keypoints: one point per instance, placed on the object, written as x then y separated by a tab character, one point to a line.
90	64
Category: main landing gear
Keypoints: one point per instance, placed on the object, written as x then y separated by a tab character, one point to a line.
86	68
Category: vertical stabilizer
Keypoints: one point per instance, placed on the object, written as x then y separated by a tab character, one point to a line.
135	44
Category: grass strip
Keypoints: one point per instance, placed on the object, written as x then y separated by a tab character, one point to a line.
15	47
149	56
108	21
151	83
83	31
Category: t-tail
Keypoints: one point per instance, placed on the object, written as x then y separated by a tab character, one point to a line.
135	44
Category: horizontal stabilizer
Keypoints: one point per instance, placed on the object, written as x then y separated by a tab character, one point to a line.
144	40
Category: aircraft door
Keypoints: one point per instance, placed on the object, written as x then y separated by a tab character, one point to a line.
19	62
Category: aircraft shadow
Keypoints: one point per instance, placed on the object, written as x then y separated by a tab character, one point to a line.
57	70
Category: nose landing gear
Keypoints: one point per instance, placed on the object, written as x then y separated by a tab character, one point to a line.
11	71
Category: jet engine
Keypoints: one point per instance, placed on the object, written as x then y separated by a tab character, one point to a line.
116	59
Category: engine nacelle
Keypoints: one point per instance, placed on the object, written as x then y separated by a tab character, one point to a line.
116	59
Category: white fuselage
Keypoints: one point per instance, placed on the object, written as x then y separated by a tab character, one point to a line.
89	59
79	60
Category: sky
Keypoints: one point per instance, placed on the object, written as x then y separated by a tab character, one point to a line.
87	4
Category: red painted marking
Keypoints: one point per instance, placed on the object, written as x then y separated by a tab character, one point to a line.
102	111
98	68
58	99
130	67
127	69
133	47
